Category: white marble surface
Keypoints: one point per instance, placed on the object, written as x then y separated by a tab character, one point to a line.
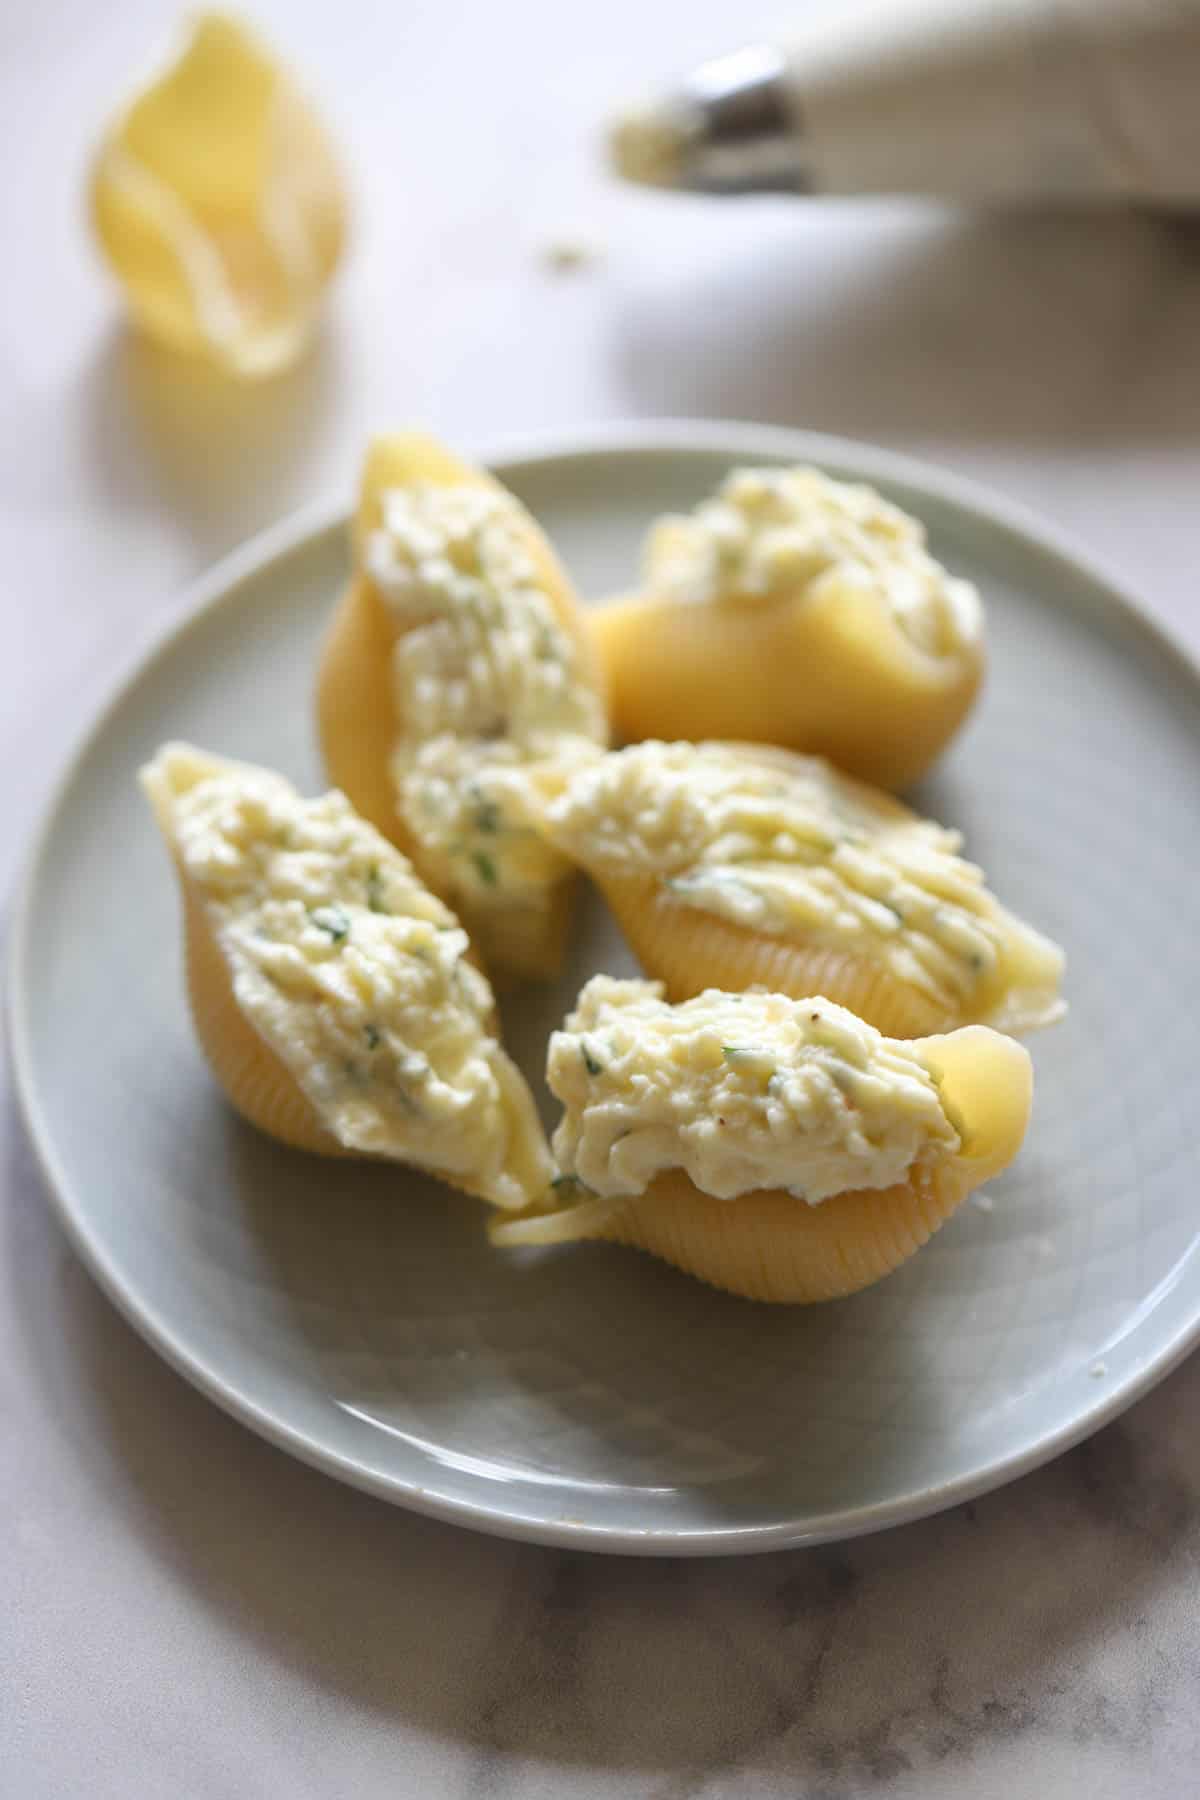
183	1610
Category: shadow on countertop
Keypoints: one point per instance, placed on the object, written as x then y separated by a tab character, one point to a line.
829	1671
1053	329
165	432
904	323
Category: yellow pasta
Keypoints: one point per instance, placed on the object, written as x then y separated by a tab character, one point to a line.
732	866
672	1132
217	200
795	610
457	664
332	994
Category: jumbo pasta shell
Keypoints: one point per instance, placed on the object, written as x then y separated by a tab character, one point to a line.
772	1247
218	202
359	723
399	459
832	682
508	1164
255	1081
793	609
689	951
642	820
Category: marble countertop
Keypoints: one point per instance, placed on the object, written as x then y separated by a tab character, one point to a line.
182	1609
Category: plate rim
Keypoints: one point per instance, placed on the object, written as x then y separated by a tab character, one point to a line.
217	587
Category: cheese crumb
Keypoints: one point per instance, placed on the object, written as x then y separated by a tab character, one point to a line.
567	256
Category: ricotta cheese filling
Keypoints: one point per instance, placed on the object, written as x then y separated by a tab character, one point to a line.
350	969
774	534
743	1092
486	680
783	844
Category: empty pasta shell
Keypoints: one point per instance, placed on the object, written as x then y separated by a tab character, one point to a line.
217	200
770	1246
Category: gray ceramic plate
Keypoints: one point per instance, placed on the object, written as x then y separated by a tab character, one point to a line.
588	1395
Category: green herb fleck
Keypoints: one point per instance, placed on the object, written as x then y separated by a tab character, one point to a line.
331	919
570	1182
374	1037
485	868
486	815
375	889
589	1062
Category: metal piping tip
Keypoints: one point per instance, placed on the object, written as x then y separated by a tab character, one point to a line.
732	127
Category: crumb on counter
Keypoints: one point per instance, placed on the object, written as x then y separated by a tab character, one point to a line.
569	255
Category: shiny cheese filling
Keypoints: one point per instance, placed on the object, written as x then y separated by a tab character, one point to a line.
775	534
352	972
486	680
785	845
743	1092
